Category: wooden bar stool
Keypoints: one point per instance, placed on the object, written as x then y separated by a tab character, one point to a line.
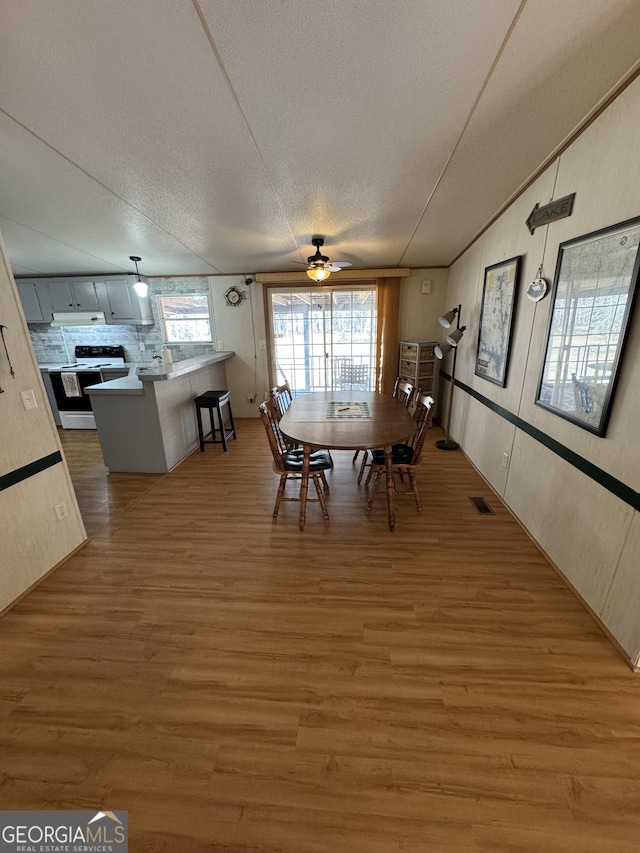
215	400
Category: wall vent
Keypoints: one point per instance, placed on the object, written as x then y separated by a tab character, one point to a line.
482	507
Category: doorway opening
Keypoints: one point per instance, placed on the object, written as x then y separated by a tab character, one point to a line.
324	338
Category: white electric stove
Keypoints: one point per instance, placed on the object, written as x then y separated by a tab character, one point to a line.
70	380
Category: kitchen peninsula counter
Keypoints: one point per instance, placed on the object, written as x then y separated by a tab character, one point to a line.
146	420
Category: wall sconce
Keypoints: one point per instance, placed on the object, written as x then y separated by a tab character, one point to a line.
440	351
140	287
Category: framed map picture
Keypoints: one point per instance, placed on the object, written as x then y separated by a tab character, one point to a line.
496	320
592	302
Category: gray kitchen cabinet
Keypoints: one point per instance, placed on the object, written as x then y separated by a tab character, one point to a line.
113	295
123	305
70	295
35	301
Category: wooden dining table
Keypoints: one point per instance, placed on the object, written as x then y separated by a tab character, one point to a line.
347	420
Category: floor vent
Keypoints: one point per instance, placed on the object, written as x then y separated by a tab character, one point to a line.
482	507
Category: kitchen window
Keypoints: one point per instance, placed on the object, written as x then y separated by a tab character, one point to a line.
185	318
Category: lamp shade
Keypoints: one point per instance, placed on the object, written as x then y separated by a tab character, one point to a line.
447	319
318	273
455	336
441	350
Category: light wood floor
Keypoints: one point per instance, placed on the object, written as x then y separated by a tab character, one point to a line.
241	687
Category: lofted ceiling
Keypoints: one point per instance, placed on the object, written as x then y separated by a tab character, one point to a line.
219	136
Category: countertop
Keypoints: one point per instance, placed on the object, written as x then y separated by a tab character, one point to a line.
139	373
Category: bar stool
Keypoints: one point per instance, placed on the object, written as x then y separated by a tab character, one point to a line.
214	400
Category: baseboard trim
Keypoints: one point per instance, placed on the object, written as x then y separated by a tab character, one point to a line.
41	579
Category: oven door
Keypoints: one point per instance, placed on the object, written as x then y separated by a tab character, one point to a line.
70	403
75	411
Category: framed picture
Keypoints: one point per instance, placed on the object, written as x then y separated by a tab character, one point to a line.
592	302
496	320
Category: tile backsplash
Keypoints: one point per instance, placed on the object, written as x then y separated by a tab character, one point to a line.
55	345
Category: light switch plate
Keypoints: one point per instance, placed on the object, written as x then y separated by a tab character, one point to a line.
29	400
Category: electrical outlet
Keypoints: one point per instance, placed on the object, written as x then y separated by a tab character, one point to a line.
426	286
29	400
263	344
505	460
142	346
61	511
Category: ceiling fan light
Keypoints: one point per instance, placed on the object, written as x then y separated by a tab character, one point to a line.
318	273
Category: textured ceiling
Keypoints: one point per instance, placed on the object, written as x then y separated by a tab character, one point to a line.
219	136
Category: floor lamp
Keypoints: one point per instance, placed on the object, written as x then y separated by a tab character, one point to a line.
440	351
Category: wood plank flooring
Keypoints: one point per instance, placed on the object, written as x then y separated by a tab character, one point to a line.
101	495
240	686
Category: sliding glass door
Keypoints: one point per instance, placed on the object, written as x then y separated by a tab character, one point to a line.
323	338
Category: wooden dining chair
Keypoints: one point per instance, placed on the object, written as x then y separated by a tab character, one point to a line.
283	396
288	463
405	457
403	390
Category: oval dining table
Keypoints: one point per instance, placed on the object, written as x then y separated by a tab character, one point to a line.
347	420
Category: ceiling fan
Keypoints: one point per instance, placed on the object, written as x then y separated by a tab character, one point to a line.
319	266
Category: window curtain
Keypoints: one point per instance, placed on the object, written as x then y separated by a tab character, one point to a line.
388	335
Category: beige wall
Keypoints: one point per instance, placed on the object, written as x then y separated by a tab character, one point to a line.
592	536
241	328
238	327
419	311
33	540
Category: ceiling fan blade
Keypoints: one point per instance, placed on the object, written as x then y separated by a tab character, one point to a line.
334	266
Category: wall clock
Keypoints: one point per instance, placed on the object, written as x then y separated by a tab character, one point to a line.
234	296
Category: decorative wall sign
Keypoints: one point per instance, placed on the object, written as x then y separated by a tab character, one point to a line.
550	212
593	294
538	287
496	320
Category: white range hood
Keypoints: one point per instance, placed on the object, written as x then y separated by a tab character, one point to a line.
79	318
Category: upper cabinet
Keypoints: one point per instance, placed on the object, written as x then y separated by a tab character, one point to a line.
123	305
115	296
36	302
70	295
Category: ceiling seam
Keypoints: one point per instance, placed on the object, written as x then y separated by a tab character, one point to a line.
474	106
103	186
62	242
216	53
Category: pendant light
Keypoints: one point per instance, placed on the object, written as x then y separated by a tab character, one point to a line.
140	287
